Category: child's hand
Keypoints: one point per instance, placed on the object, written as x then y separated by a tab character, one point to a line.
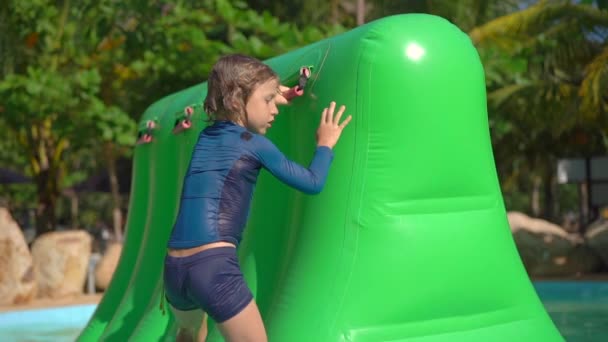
280	99
330	128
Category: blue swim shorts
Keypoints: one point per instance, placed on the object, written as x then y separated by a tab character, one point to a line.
210	280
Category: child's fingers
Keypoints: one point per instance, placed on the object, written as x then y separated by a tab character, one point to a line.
324	115
281	100
346	121
339	114
330	112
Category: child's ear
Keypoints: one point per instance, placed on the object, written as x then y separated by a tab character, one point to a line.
233	102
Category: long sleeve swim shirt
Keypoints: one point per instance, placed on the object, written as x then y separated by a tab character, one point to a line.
221	177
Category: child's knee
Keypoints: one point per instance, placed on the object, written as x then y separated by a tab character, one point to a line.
185	335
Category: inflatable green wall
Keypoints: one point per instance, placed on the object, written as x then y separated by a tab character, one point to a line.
409	240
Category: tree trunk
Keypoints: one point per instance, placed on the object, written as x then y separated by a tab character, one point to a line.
557	209
360	12
549	198
74	207
115	191
535	205
46	163
583	195
74	211
334	11
46	220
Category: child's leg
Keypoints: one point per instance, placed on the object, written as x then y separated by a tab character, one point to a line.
216	284
246	326
192	325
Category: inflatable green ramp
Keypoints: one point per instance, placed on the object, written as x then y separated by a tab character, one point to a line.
408	241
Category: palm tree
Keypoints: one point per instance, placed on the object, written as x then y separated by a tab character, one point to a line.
546	68
546	73
546	77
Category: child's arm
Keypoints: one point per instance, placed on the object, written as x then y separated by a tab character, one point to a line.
309	180
312	179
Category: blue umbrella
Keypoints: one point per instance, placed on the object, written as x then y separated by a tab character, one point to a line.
11	177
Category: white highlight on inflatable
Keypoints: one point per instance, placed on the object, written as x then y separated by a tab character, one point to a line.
414	51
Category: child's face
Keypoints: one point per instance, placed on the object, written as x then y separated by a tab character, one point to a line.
262	107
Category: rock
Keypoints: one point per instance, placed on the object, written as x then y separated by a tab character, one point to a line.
547	249
17	281
597	238
107	265
61	261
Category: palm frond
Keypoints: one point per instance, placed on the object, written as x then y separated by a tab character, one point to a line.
467	14
549	104
536	18
593	89
498	97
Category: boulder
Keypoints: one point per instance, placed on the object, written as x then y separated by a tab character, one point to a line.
17	281
547	249
597	239
107	265
61	260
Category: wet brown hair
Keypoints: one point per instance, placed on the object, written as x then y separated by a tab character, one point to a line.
231	82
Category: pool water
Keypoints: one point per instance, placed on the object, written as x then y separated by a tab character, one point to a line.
61	324
579	310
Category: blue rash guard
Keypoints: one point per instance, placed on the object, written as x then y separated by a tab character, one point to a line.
221	177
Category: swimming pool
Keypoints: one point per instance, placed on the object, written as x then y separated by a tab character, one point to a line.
61	324
579	310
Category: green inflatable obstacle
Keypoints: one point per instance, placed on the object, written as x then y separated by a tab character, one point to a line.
409	240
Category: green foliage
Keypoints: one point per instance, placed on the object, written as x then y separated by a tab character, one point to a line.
309	13
545	71
179	49
536	73
78	74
